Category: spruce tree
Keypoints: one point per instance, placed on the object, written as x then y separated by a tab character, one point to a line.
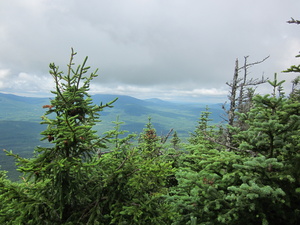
149	142
175	140
273	122
73	181
295	94
63	170
203	129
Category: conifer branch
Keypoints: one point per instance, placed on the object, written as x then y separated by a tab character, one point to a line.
82	71
55	75
70	66
123	162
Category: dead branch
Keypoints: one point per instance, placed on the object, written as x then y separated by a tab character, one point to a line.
164	139
252	64
293	21
254	154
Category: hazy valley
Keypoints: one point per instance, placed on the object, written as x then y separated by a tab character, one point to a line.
20	119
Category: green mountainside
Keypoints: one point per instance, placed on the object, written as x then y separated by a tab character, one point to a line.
20	119
133	112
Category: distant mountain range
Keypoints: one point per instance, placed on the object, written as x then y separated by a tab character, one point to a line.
20	117
134	112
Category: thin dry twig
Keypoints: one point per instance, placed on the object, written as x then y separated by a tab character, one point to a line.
228	146
293	21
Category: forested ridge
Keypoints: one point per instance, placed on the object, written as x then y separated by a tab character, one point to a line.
244	172
21	113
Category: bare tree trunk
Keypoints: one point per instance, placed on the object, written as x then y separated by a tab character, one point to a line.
242	95
232	99
238	103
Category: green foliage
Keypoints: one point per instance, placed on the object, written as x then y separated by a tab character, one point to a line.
149	142
255	183
273	126
276	85
60	173
201	171
175	141
76	180
295	94
117	138
293	68
273	132
228	188
203	130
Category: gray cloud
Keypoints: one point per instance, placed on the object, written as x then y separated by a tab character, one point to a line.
164	47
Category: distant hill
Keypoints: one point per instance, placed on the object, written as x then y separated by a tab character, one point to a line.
132	111
20	117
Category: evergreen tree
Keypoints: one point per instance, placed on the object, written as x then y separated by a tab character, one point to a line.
221	187
62	171
175	140
203	129
273	122
273	132
68	183
295	94
149	142
117	138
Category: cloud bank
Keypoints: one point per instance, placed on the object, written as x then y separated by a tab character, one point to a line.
146	48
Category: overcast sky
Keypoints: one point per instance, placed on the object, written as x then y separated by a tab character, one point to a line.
170	49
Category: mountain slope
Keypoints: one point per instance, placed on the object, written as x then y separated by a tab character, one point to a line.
20	118
134	112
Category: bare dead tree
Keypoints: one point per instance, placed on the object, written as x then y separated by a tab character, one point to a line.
240	95
246	83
